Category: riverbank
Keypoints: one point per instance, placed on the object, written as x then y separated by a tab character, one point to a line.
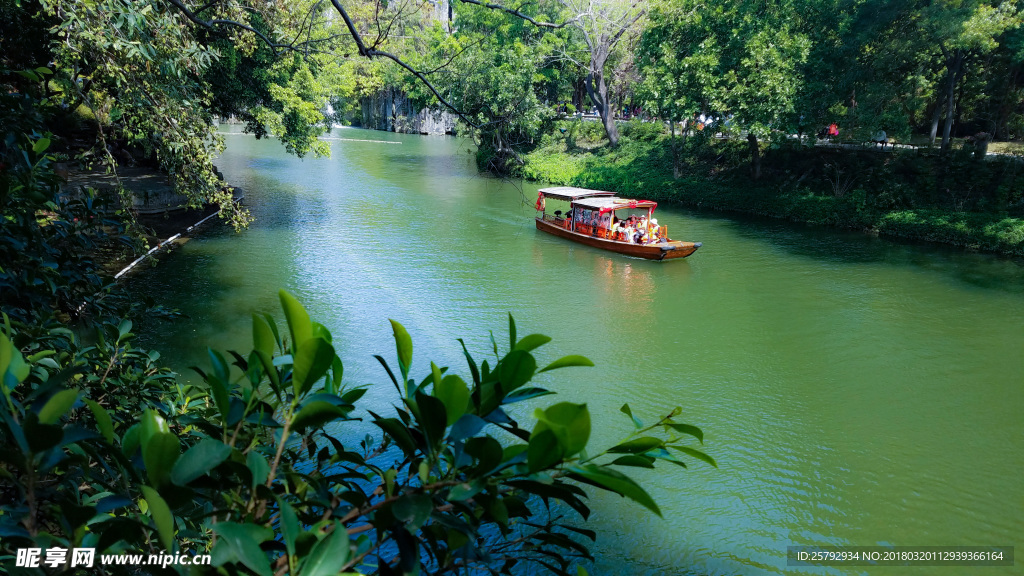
163	217
917	195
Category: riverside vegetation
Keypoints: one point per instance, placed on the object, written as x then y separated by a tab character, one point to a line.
960	198
139	81
271	464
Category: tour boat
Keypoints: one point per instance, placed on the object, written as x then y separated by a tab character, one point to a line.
590	217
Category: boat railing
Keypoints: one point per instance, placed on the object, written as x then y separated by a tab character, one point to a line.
602	232
591	230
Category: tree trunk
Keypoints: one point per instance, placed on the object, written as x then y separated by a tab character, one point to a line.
936	116
1007	104
755	157
597	89
955	71
608	119
675	150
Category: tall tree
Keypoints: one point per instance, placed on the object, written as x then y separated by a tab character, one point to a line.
747	61
603	23
678	66
962	31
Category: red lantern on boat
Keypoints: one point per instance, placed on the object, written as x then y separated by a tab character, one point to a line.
540	201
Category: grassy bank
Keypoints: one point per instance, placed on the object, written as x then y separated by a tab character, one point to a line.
959	199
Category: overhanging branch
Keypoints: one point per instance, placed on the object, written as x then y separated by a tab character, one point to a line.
373	52
367	52
517	14
211	24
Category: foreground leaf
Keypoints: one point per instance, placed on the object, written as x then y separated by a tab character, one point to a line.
329	555
199	460
566	361
299	325
57	406
696	454
162	517
403	344
317	413
615	482
244	542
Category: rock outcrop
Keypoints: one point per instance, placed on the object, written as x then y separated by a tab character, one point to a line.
392	111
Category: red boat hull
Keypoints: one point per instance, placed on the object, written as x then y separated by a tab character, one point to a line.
661	251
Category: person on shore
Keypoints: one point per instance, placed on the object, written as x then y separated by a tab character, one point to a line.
880	137
833	130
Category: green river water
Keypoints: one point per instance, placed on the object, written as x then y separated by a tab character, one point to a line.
855	391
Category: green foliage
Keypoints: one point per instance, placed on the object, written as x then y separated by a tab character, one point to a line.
136	82
135	67
642	131
498	80
956	200
294	112
50	242
261	465
553	164
280	97
732	59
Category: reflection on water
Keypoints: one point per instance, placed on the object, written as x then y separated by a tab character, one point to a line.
853	390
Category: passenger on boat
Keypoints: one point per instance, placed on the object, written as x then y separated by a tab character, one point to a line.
640	236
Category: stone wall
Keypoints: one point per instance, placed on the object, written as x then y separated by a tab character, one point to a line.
391	111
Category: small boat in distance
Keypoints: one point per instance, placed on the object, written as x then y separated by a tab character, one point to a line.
594	219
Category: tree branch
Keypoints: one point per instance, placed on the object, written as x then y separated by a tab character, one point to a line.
518	14
625	27
373	52
212	24
368	52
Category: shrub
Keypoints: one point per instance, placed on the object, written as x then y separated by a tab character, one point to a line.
51	244
259	467
642	131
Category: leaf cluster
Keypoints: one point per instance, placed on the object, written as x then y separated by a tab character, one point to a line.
262	465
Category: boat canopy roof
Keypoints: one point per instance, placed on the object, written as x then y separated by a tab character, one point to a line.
610	203
571	194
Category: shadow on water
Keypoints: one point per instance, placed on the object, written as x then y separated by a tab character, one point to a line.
212	284
833	246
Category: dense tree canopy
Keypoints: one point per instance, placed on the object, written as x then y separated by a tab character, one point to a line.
940	68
